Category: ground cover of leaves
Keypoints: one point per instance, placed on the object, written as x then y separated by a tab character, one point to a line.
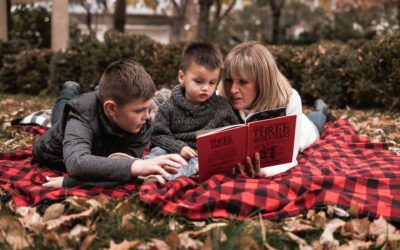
101	223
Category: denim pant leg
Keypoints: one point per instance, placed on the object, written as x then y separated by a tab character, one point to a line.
154	152
188	170
63	96
318	118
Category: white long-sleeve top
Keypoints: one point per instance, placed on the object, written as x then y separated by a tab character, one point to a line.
306	132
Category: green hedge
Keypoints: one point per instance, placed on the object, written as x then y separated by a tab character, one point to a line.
363	73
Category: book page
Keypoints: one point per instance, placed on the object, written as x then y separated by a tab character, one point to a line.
220	152
214	130
273	139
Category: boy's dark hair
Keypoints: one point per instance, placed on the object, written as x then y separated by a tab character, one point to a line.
202	53
125	80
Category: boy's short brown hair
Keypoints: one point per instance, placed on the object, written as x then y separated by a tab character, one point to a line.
202	53
125	80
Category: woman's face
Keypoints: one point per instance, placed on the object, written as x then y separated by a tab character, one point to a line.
241	92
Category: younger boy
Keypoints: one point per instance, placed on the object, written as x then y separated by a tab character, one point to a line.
193	106
94	125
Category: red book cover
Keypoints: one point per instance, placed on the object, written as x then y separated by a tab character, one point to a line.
219	151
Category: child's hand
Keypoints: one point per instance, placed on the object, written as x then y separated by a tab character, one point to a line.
188	152
55	182
163	165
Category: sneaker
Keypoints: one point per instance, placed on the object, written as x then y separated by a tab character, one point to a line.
152	178
319	104
119	155
71	84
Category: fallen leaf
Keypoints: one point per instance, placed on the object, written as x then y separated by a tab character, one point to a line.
103	199
207	228
88	240
387	237
347	229
353	211
124	245
247	242
301	242
381	226
199	223
172	239
327	236
23	211
51	224
53	212
33	221
361	227
220	235
126	223
189	243
124	207
207	243
76	202
78	231
332	209
319	219
297	225
14	232
356	244
159	244
56	238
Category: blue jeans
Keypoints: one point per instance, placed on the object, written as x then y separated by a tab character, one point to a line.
318	118
183	171
63	96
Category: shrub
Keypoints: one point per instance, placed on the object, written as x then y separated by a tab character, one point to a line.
362	74
32	70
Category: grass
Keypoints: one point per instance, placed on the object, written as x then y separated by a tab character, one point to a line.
121	220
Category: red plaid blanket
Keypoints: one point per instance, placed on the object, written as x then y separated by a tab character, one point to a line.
342	168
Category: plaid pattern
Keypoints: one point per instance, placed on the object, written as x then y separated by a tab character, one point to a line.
342	168
22	178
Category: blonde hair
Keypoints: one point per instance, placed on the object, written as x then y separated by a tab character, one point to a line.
252	61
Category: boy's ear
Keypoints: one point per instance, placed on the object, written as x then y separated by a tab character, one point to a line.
180	77
110	107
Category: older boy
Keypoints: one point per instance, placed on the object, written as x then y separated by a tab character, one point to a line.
97	124
193	106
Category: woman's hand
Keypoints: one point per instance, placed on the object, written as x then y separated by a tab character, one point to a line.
55	182
250	170
163	165
188	152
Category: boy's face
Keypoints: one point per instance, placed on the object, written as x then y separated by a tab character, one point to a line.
129	117
200	82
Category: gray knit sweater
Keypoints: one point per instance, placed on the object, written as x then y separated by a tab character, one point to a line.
177	120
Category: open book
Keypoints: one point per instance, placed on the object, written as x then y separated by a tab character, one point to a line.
270	132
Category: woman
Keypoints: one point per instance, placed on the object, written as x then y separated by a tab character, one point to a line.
252	82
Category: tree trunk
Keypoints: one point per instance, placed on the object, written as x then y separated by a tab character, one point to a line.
276	7
120	15
89	19
59	25
3	21
398	12
275	26
204	19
